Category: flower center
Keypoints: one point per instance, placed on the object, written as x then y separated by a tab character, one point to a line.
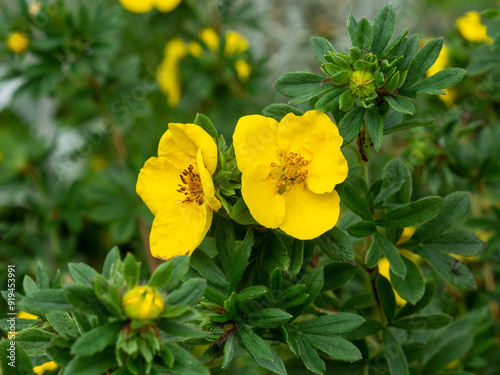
291	170
191	186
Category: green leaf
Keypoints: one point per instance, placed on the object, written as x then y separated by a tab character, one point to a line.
329	101
309	356
423	61
42	278
361	229
131	271
161	276
84	299
450	269
29	285
350	125
394	354
239	259
98	339
336	245
228	351
449	351
301	85
241	214
275	365
82	274
411	214
394	172
460	243
395	44
408	124
189	293
252	292
411	288
205	123
185	363
313	282
296	256
268	318
352	26
331	324
411	49
374	125
34	341
441	80
337	274
111	258
364	35
46	301
410	309
354	201
22	364
369	328
383	28
455	207
391	253
254	344
346	100
373	255
207	268
335	346
386	296
400	104
278	111
321	47
388	191
63	324
420	323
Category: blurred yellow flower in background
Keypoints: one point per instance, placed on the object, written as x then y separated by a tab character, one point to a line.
17	42
289	171
169	74
443	62
48	366
177	187
472	29
25	315
144	6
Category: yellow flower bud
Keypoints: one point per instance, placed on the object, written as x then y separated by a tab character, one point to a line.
142	303
362	84
17	42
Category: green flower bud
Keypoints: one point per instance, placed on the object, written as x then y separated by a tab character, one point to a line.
142	303
362	83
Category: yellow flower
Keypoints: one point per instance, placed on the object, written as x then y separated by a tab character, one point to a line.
472	29
243	70
168	73
289	171
235	43
144	6
210	37
48	366
383	269
177	187
443	62
142	303
17	42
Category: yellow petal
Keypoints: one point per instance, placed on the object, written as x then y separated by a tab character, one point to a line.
261	196
207	184
25	315
135	6
315	137
167	5
255	141
236	43
243	70
47	366
189	138
175	155
383	269
178	229
472	29
309	215
158	182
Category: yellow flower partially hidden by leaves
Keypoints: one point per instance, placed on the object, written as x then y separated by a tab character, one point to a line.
17	42
25	315
243	69
472	29
144	6
48	366
443	62
383	269
142	303
177	187
168	73
289	171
